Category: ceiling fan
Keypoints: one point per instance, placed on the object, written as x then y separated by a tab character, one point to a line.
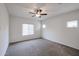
38	13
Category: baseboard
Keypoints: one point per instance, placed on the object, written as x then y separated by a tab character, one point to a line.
62	44
23	41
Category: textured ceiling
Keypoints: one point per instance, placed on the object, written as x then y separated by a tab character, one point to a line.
52	9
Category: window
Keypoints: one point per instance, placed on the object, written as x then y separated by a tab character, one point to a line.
44	26
72	24
27	29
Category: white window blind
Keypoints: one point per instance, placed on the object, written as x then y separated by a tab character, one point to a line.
72	24
27	29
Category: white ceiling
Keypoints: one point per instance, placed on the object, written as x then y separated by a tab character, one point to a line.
52	9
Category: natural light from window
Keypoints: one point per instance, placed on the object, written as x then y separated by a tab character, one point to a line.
44	26
72	24
27	29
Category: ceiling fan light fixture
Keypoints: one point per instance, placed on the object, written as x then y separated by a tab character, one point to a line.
37	15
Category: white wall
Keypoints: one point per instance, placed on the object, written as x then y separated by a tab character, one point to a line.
4	33
16	28
57	31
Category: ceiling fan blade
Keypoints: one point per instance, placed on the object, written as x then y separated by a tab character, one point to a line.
31	13
43	14
33	16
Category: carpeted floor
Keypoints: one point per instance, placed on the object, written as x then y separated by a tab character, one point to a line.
40	47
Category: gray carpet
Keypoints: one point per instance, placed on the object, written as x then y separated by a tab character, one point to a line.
40	47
